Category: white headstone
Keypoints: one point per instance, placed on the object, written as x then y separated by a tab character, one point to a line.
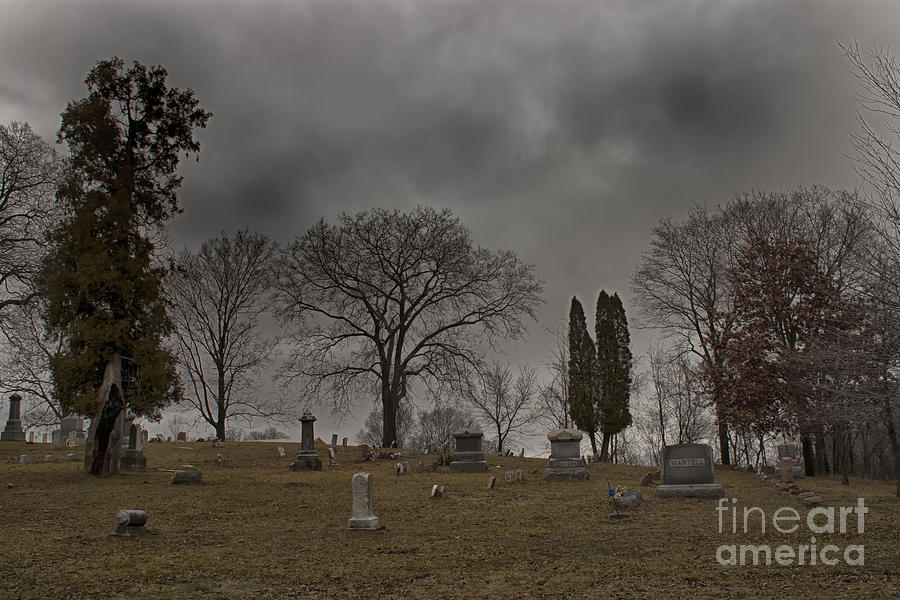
363	517
280	451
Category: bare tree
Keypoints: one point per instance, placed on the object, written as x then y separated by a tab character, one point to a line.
552	406
383	298
216	299
373	434
505	404
434	428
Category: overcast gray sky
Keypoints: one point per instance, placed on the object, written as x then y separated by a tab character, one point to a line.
563	130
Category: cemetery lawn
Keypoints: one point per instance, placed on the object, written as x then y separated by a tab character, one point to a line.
255	530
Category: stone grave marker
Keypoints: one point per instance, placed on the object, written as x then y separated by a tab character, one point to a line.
787	470
468	455
398	468
30	437
72	424
72	440
790	450
344	443
565	455
130	522
520	475
72	457
307	458
332	461
491	482
182	436
133	457
421	468
13	431
187	477
281	451
406	467
334	441
25	458
49	458
688	473
509	477
363	517
438	491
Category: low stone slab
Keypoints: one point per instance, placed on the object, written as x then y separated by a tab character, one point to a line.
180	477
130	522
696	490
629	499
49	458
25	458
509	477
73	457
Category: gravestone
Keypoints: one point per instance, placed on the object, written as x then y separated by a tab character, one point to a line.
13	431
520	475
565	455
72	440
56	439
30	437
69	425
629	499
334	441
398	469
49	458
280	451
509	477
187	477
145	436
491	482
406	467
133	457
438	491
790	451
363	517
344	443
787	470
130	522
363	453
421	468
332	461
468	455
73	457
25	458
688	473
182	436
307	459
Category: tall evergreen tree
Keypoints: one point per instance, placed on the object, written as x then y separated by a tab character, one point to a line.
102	288
582	375
614	362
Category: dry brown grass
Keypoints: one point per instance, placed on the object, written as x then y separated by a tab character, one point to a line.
255	530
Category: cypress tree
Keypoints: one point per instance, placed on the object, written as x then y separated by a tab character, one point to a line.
614	362
582	375
102	288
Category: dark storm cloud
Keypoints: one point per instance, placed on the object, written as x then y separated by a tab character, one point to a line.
561	129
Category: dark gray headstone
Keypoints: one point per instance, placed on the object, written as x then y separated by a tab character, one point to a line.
468	455
687	464
565	455
130	522
13	431
181	477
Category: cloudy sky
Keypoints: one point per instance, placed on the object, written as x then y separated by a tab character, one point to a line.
563	130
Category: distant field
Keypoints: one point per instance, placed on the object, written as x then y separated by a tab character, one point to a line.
255	530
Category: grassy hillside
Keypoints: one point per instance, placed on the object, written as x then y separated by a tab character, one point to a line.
255	530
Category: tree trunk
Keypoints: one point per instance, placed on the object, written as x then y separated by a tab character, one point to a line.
592	435
389	423
499	441
809	459
103	446
723	442
604	448
895	443
821	455
220	429
222	410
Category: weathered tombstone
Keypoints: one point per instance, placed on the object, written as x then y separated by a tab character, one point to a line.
182	436
629	499
72	440
72	457
787	470
565	455
13	431
468	455
56	439
25	458
438	491
421	468
30	437
520	475
307	458
280	450
344	443
133	457
363	453
145	436
187	477
334	441
790	450
406	467
49	458
509	477
72	424
491	482
398	469
363	517
130	522
688	473
332	461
